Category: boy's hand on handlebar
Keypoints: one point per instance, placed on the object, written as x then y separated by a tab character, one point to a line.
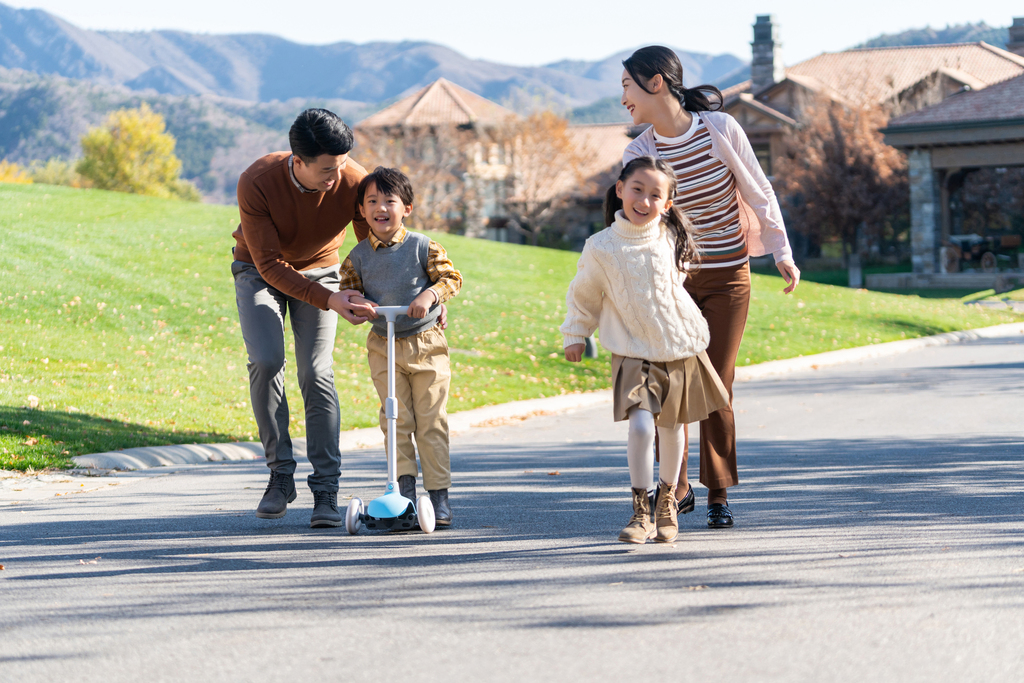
574	352
421	304
351	306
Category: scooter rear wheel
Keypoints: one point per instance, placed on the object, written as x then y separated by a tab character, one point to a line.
425	514
353	517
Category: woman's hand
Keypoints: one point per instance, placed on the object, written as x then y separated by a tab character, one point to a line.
790	273
574	352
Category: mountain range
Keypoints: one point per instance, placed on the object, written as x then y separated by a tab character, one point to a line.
265	68
228	99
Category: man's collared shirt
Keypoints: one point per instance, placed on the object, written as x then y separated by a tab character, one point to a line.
291	172
447	280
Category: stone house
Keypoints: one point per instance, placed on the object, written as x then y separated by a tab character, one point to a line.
899	79
942	115
455	145
967	147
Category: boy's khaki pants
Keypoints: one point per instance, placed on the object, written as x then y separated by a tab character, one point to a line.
422	376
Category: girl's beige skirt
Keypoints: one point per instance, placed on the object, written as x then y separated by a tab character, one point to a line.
677	392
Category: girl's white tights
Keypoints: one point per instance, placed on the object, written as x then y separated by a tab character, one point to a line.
640	450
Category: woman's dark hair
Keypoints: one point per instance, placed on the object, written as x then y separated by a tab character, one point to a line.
655	60
318	131
687	250
387	181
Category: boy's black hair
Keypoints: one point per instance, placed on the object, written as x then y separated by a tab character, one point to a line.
318	131
388	181
687	250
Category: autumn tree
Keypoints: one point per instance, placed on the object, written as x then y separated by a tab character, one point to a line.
547	164
837	178
436	159
132	152
13	173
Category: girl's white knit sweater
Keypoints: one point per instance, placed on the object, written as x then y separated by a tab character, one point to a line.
627	284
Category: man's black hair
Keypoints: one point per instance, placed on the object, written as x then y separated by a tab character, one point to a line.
318	131
388	181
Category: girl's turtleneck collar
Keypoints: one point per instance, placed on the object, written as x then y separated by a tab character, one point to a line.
635	233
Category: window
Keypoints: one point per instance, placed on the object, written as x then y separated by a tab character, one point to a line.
763	152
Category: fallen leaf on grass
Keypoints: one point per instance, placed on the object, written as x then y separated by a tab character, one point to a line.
89	561
31	441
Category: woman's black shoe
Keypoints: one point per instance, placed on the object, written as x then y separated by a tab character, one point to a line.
687	503
719	516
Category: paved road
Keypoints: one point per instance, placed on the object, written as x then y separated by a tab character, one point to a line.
880	537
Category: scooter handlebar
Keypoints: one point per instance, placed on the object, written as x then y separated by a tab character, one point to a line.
391	312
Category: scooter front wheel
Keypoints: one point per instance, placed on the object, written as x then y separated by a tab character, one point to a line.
353	518
425	514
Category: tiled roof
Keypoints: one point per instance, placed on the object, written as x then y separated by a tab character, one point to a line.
440	103
599	148
996	102
735	90
874	75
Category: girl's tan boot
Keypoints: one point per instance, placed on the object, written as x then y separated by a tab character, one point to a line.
640	527
665	516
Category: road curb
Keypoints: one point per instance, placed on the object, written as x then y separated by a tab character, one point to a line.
497	415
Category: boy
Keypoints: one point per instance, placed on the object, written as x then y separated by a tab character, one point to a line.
394	267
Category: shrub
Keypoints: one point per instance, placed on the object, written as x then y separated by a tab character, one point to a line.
132	152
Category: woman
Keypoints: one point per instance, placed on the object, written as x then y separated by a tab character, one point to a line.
723	190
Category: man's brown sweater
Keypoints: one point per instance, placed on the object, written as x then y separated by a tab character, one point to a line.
285	230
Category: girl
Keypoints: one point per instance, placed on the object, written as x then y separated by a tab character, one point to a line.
629	282
722	189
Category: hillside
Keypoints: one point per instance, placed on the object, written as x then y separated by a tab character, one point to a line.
960	33
266	68
44	116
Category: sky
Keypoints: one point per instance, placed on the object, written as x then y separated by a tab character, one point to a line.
535	32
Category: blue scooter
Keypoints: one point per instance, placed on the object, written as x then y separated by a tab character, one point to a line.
392	511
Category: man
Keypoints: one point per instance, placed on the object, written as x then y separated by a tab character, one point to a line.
294	210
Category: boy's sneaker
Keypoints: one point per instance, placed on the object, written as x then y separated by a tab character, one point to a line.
407	486
442	509
280	491
640	528
325	510
665	514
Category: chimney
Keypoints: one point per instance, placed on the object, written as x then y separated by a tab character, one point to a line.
1016	44
766	67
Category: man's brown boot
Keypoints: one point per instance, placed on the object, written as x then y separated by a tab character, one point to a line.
640	527
665	514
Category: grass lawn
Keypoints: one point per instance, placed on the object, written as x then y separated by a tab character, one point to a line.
118	327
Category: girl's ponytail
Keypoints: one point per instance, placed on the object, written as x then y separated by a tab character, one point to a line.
612	203
687	250
656	60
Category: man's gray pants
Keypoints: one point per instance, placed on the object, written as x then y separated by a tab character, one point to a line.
261	312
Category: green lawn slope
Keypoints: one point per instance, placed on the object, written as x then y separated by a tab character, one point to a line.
118	327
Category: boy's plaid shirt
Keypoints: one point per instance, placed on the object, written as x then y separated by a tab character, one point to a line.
447	280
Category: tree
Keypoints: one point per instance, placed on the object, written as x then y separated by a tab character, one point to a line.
12	173
547	166
436	159
837	178
132	152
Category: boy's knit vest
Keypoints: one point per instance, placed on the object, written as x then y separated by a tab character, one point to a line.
394	276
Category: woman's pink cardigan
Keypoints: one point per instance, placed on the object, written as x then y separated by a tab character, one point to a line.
760	216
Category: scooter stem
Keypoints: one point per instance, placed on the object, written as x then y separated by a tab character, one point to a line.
390	313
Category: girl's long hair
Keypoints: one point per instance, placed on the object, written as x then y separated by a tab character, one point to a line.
648	62
687	250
